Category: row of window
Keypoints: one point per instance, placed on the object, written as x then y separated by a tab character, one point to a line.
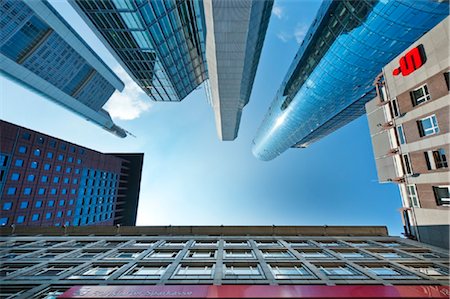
22	149
53	143
232	271
41	191
44	179
47	166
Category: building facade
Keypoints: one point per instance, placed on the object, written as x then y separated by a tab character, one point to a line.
409	126
47	181
331	77
234	40
42	52
161	44
180	262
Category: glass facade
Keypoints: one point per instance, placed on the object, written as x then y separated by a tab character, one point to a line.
160	43
343	52
32	43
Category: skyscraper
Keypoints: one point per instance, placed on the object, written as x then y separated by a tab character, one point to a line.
40	50
159	43
218	262
331	76
235	32
409	126
48	181
170	47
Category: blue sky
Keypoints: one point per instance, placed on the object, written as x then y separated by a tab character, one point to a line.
191	178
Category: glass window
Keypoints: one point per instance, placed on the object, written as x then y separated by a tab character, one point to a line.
27	191
68	169
20	219
37	152
100	271
38	204
442	195
242	272
428	126
60	157
56	179
22	149
53	191
339	271
48	215
4	221
201	254
277	254
7	206
61	202
314	254
401	135
41	191
412	196
11	191
354	255
53	270
34	164
58	168
420	95
31	177
289	272
194	272
436	159
51	203
238	254
24	204
163	254
50	155
148	271
19	163
125	255
66	180
47	166
26	136
407	164
432	270
15	176
35	217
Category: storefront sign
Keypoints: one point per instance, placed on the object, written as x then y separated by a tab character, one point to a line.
257	291
411	61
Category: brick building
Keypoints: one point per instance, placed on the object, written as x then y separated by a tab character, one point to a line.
409	125
49	181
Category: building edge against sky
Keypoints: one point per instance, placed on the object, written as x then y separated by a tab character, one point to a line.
48	181
329	61
40	51
409	125
235	33
248	261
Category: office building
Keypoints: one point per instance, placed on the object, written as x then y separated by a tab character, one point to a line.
47	181
161	44
331	77
40	50
208	261
170	47
409	126
235	32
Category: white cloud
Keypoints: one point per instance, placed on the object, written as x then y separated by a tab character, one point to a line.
278	11
300	32
130	103
284	37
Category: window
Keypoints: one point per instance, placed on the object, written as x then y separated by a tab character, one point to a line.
41	191
27	191
35	217
44	179
447	80
11	191
315	254
61	202
147	272
22	149
19	163
53	191
47	166
202	254
34	164
70	159
66	180
31	177
300	244
436	159
15	176
389	272
56	179
267	243
428	126
194	272
354	255
7	206
37	152
51	203
20	219
442	195
290	272
394	108
401	135
24	204
242	272
59	214
339	272
175	243
392	255
420	95
58	168
277	254
407	164
4	221
206	243
412	196
240	254
78	161
125	255
60	157
48	215
68	170
55	270
50	155
432	270
163	254
100	271
38	204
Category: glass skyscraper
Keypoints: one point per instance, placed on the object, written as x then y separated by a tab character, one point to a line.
42	52
159	43
331	77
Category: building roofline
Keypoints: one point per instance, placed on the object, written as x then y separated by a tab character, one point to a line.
197	230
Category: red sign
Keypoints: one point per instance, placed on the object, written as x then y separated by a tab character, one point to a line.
257	291
412	60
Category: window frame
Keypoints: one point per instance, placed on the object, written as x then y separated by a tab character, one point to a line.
433	130
416	101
